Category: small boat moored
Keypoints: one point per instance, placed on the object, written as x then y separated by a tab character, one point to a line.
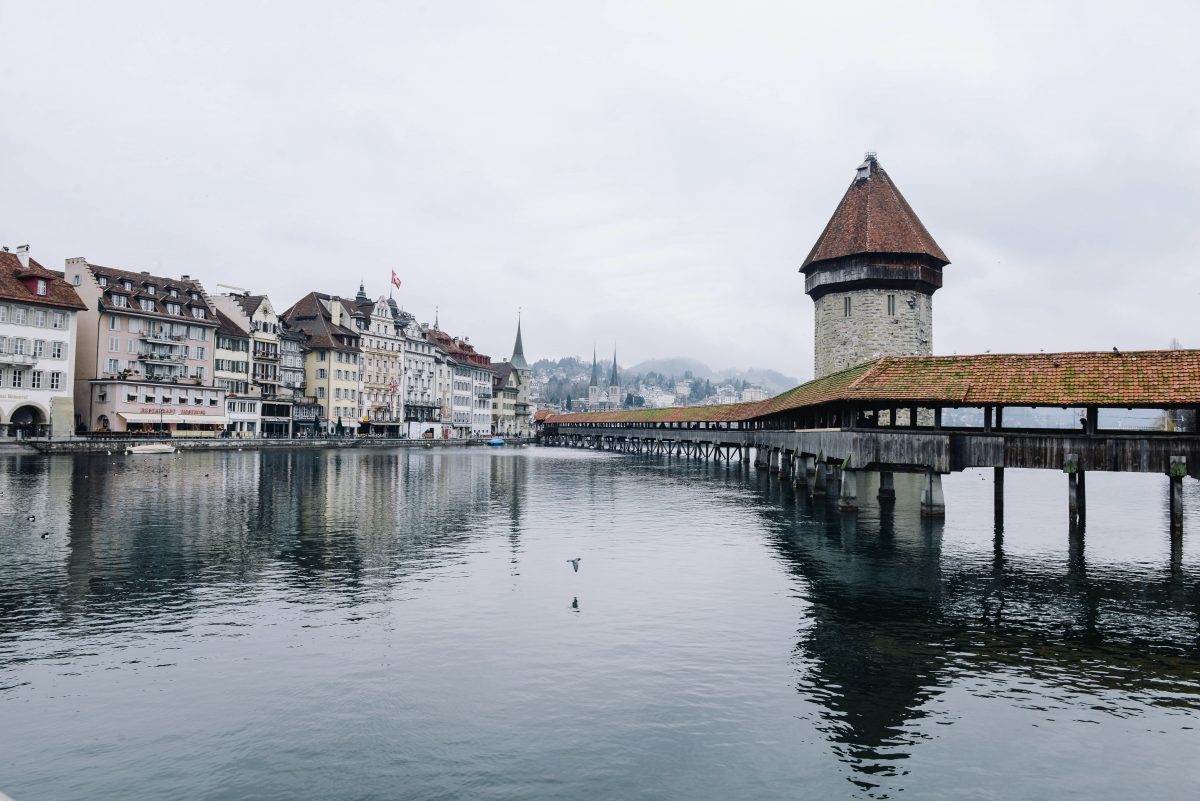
151	447
496	442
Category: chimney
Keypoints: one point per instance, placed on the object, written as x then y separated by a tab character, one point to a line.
23	255
184	278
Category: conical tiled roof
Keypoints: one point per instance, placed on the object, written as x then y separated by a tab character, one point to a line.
873	217
518	357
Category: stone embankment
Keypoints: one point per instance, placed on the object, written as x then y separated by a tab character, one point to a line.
103	445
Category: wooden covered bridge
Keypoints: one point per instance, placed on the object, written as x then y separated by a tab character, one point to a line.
935	415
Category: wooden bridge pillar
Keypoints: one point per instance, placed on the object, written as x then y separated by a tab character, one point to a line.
1076	491
848	499
785	464
998	493
819	477
773	460
887	485
802	469
1175	475
933	501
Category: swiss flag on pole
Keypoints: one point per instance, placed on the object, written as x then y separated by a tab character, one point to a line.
395	279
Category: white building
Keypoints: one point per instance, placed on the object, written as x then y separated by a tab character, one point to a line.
38	325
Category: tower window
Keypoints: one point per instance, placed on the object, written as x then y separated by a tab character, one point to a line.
892	305
846	307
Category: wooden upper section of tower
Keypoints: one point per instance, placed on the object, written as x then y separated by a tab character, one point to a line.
874	219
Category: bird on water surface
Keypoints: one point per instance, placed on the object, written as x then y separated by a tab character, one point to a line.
575	563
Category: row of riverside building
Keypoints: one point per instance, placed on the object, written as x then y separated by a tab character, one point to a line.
95	349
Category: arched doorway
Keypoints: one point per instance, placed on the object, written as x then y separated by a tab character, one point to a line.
27	421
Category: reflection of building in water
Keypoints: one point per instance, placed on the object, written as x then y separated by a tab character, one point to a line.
892	622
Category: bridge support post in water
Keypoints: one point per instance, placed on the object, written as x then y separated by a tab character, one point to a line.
998	491
848	500
802	469
817	486
933	502
1076	491
774	459
887	485
1177	471
785	464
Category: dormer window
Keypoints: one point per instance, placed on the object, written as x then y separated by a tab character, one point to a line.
198	313
41	286
194	296
120	301
150	289
174	292
147	304
174	308
128	286
103	280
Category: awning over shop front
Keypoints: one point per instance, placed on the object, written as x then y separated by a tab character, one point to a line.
194	419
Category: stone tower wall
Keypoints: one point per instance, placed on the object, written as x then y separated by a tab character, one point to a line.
869	331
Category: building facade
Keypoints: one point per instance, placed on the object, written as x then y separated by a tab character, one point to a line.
146	353
332	359
384	344
231	372
38	324
872	285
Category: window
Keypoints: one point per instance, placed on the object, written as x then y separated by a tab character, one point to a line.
18	346
3	344
120	301
321	392
200	373
149	289
114	323
111	366
135	325
56	350
59	321
41	286
322	373
133	346
114	344
76	279
198	313
3	314
146	304
174	308
891	303
56	381
321	356
18	378
19	315
846	307
201	353
103	280
39	348
128	286
35	380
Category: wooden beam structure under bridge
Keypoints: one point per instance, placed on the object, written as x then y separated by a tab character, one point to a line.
887	415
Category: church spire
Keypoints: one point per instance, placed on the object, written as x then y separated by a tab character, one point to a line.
595	382
613	379
518	356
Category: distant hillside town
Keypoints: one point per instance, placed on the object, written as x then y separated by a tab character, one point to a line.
571	385
107	351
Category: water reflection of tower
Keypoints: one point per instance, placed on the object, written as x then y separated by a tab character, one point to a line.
508	479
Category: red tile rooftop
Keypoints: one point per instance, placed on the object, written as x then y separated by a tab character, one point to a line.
1155	378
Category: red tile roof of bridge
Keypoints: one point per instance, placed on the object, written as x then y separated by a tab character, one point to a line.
1136	379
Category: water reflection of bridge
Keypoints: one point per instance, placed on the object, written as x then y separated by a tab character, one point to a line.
894	621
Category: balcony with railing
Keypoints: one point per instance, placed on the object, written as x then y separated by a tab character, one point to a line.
160	357
17	359
161	338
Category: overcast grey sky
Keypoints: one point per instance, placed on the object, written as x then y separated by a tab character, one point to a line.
649	174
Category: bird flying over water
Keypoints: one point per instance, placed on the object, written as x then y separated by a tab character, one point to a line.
575	563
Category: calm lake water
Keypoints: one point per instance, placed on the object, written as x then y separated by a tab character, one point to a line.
405	624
